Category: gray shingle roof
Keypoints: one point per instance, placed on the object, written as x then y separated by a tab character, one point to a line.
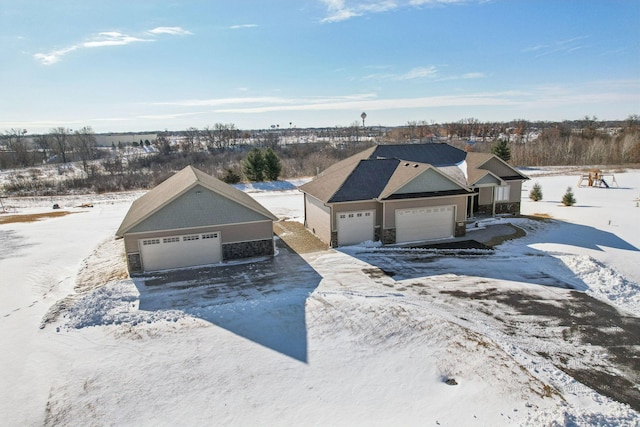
366	181
378	171
435	154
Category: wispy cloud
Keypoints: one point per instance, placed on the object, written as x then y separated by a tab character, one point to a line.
557	47
429	72
339	10
173	31
108	38
242	26
263	100
372	103
256	105
342	10
419	73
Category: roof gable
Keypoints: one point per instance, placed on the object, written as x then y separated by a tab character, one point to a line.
177	185
427	180
487	178
198	207
477	162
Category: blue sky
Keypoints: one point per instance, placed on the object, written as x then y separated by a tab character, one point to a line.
152	65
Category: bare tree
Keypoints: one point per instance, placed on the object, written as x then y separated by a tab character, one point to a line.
83	143
18	145
193	140
43	142
60	139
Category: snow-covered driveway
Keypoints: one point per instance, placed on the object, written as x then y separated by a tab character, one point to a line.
358	336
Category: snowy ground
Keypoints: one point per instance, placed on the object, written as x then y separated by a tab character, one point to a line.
361	336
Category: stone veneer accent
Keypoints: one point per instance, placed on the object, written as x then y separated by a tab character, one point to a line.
501	208
135	262
389	236
256	248
461	229
334	239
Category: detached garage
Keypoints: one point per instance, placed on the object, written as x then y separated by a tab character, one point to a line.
194	219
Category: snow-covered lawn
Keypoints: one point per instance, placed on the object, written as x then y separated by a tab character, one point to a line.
365	335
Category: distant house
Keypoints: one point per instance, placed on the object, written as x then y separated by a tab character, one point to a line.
194	219
406	193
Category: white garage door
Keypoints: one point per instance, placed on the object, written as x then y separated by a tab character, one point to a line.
355	227
180	251
424	223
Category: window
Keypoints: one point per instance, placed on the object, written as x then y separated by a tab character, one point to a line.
189	238
367	214
359	215
502	193
148	242
170	240
350	215
343	216
210	236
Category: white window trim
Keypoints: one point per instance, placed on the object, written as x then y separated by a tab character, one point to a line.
502	193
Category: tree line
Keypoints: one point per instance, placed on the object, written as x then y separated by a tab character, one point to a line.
234	155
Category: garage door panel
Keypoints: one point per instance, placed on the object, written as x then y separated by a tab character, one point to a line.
355	227
180	251
427	223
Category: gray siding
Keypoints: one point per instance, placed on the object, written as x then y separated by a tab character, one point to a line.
515	193
429	181
485	195
498	168
199	207
317	218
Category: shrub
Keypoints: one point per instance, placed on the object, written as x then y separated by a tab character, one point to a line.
568	199
536	192
231	177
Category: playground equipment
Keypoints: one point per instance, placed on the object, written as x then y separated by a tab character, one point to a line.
596	178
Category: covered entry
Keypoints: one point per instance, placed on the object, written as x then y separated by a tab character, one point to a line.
162	253
425	223
355	227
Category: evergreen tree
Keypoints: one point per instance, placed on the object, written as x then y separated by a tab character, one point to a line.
253	165
502	150
536	192
272	165
568	199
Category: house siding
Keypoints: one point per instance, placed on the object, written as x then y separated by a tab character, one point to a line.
497	167
317	218
428	181
198	207
512	206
